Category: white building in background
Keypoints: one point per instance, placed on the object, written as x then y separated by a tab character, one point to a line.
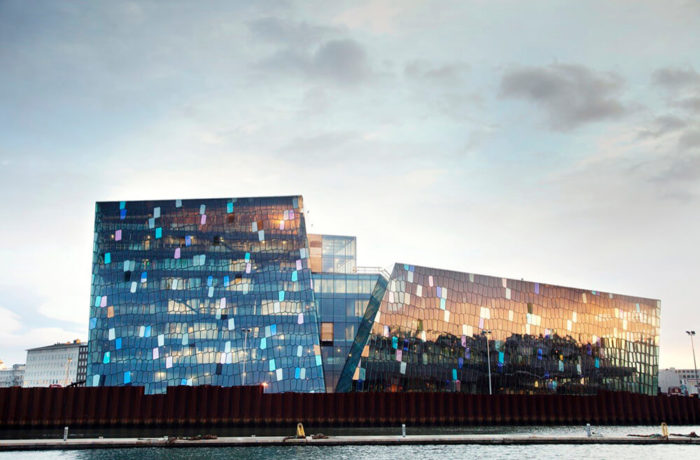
684	378
11	376
668	379
60	364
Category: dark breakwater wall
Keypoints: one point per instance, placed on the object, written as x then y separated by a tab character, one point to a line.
206	405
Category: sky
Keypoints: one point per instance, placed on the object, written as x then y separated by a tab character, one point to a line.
553	141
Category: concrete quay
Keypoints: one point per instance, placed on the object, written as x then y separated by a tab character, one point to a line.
254	441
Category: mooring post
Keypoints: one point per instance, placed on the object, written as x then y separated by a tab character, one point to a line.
65	433
403	430
588	430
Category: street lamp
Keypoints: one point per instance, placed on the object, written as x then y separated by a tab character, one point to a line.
246	331
695	365
485	333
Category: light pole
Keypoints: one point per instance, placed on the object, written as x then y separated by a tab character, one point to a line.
245	350
485	333
695	365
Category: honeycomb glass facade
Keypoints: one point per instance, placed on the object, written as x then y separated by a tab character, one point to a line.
438	330
210	291
234	292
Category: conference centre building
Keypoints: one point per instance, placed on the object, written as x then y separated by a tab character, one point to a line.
233	291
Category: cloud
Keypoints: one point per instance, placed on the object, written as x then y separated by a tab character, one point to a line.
9	321
663	125
341	61
692	104
674	78
683	169
377	16
422	70
690	139
344	61
570	95
319	147
289	33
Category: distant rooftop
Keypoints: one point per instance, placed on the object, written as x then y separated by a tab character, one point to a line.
74	343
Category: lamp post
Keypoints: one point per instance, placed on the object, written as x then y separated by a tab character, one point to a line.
485	333
245	350
695	365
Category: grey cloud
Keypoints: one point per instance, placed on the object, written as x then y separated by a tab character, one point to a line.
691	104
342	61
302	34
689	140
319	146
664	125
675	78
570	95
679	169
423	70
685	168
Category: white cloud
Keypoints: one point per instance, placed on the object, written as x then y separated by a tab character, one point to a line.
9	322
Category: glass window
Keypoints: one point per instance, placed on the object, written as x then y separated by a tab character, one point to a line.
339	309
328	264
326	332
339	331
353	286
350	332
326	285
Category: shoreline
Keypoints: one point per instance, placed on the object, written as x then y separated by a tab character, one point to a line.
263	441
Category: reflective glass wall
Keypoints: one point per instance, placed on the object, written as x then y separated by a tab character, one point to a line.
342	301
333	253
211	291
439	330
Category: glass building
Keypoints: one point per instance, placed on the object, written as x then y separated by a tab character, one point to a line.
342	295
439	330
234	292
211	291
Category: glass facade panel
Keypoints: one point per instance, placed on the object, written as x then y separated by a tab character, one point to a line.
431	330
327	333
333	254
343	310
214	291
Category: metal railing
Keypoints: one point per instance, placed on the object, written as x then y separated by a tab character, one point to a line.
373	270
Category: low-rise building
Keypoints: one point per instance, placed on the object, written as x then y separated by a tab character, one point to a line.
59	364
11	376
687	379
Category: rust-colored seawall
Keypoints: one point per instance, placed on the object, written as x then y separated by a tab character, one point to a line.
205	405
